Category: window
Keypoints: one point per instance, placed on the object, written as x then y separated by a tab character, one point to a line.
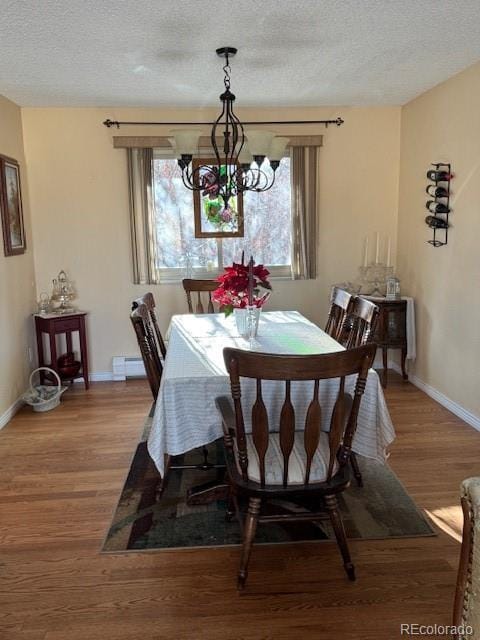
268	227
280	224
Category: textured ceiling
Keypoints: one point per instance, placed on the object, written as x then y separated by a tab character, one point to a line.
291	52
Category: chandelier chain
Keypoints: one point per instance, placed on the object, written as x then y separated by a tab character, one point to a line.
226	70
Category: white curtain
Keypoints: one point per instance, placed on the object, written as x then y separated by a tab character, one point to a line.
304	177
142	215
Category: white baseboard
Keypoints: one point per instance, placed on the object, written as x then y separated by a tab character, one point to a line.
462	413
100	376
378	362
10	412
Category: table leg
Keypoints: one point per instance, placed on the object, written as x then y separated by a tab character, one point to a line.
404	357
41	356
68	337
53	350
385	366
83	351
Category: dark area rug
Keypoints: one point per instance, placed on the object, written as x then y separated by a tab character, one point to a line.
381	509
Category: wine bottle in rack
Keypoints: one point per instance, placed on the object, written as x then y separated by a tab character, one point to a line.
436	192
438	176
436	223
437	207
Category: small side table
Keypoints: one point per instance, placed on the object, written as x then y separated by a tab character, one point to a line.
58	323
391	331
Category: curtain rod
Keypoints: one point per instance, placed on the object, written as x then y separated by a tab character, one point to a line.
116	123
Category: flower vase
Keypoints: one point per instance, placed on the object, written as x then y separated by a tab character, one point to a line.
247	321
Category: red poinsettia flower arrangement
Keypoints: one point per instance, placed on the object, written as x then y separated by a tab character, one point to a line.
241	282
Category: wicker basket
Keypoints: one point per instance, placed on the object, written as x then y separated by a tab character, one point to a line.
44	397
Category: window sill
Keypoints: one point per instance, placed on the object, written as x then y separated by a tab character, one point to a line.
174	276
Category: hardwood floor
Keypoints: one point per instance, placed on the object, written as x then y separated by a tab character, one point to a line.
61	474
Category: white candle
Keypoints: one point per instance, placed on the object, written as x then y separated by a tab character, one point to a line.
377	246
365	255
388	251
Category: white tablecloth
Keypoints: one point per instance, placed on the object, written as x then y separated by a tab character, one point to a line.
194	375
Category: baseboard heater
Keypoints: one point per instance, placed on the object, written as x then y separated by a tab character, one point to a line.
124	367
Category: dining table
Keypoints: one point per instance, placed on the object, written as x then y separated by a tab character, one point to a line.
194	375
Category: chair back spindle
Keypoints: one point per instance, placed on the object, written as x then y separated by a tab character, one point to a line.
260	429
287	430
199	286
337	425
313	421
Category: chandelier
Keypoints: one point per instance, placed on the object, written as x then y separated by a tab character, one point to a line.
243	161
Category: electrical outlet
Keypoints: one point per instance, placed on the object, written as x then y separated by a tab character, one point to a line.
30	354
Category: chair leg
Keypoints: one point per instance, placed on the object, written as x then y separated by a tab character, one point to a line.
248	536
231	507
356	469
331	504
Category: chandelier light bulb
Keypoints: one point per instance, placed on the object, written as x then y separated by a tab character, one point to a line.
259	142
186	141
277	151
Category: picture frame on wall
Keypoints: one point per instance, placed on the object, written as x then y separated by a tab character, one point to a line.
212	220
11	207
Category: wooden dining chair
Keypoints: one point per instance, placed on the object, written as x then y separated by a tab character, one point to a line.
149	301
153	351
340	305
199	287
466	608
360	323
280	461
358	329
142	324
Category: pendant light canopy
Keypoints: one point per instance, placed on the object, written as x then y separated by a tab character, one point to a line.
243	160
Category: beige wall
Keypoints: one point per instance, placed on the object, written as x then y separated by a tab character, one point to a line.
78	193
442	125
17	286
78	190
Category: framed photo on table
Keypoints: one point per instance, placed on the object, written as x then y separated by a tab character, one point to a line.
212	218
11	207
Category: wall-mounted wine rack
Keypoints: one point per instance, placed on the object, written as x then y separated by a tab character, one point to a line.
439	204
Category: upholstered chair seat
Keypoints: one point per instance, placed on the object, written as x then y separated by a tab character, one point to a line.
297	465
